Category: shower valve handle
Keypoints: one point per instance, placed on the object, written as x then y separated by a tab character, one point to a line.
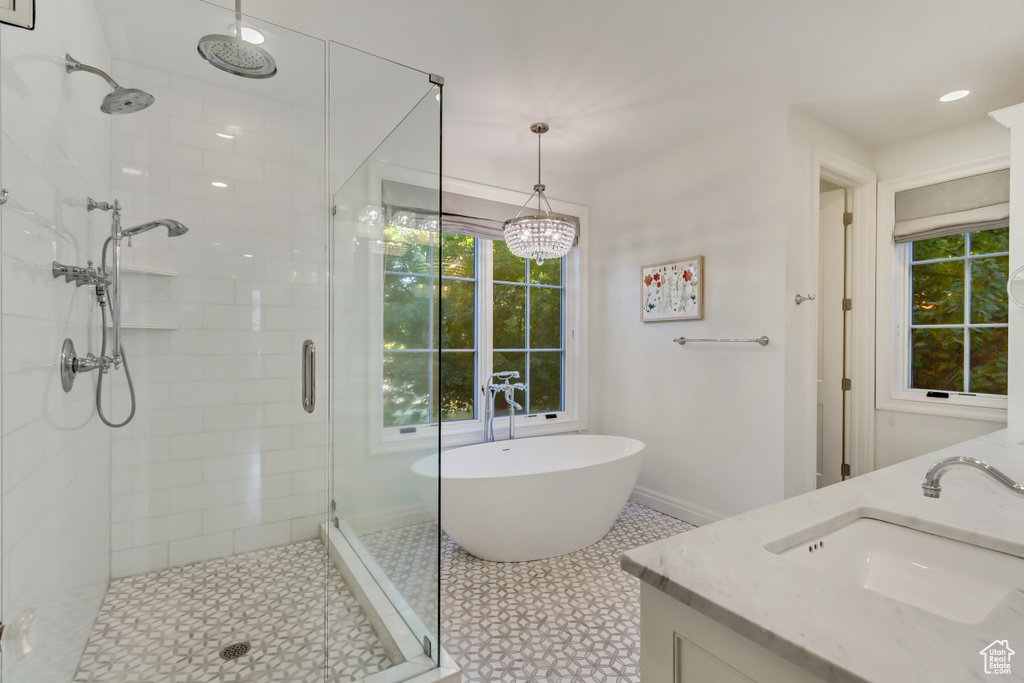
80	276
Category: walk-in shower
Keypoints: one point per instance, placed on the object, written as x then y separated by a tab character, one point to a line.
232	507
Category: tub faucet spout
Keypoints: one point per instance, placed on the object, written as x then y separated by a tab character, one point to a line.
510	392
490	389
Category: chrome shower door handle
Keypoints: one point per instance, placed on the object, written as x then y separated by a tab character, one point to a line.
308	376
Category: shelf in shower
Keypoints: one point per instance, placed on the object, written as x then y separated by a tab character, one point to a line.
146	326
142	270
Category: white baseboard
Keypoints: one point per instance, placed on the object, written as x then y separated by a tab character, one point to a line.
680	509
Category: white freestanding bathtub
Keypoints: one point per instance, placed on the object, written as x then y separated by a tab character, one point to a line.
526	499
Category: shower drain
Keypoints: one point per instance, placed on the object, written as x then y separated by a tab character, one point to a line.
235	650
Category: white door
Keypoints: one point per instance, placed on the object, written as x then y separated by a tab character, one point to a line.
831	273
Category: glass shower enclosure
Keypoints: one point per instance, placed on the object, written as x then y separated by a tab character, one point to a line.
230	530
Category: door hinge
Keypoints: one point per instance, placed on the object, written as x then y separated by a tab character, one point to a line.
428	647
848	218
847	304
846	469
334	210
847	384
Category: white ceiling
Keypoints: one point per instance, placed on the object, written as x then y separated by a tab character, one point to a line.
623	80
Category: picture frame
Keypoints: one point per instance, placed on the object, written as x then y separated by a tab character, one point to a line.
20	13
672	290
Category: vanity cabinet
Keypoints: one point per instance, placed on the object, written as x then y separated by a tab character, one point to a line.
681	645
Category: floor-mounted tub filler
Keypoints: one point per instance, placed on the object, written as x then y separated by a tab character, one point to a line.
527	499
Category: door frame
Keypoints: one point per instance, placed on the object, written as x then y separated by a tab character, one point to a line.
861	183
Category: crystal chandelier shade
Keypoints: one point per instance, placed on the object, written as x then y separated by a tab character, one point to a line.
542	235
539	237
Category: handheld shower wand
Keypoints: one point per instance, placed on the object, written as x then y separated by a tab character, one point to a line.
106	283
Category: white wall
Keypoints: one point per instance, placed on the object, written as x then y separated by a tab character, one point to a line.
980	140
806	137
56	493
220	458
900	436
1013	118
710	414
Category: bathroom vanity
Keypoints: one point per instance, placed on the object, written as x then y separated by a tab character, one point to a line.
867	580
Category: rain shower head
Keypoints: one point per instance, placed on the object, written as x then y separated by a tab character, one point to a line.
121	100
235	55
174	228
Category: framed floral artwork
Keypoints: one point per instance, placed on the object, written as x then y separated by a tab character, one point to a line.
673	290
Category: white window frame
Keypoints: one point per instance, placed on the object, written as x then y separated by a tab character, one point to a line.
574	414
893	345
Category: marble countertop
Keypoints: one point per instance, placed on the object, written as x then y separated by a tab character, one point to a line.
837	630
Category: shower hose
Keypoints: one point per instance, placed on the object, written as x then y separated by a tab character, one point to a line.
103	354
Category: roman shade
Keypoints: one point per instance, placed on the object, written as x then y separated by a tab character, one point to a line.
968	204
460	213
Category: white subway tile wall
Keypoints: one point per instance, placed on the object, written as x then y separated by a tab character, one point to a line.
220	458
56	471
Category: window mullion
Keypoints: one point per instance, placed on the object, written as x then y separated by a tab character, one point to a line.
526	324
908	342
485	313
434	316
967	313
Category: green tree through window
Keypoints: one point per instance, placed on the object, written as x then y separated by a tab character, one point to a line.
431	314
958	312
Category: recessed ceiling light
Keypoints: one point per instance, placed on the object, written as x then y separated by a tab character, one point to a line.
228	136
128	170
955	95
217	183
251	35
247	255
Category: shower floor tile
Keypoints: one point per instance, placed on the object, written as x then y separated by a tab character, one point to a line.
572	618
169	627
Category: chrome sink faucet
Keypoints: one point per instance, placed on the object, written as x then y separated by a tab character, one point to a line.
490	389
931	479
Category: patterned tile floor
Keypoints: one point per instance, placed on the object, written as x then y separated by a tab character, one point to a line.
574	618
169	627
568	619
408	556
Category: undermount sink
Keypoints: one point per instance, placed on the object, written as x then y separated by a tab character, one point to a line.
950	578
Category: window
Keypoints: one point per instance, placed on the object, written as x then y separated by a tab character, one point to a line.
942	307
957	341
415	318
527	323
440	291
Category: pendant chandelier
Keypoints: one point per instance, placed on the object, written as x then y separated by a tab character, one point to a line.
542	235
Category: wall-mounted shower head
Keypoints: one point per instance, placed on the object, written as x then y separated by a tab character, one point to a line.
235	55
174	228
122	100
